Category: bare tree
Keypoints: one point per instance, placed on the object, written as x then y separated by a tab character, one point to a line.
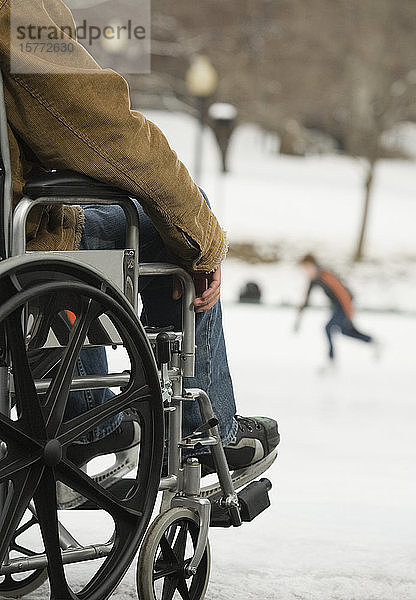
341	66
376	99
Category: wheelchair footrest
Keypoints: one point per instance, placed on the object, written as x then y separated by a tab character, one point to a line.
253	500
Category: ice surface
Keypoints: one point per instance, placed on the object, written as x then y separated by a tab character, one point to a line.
342	525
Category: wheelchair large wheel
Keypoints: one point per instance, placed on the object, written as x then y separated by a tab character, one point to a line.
40	342
165	553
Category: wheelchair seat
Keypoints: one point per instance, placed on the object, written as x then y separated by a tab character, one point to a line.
70	184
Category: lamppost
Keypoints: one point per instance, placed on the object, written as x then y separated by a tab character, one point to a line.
223	119
201	81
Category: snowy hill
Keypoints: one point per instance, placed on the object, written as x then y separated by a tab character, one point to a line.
307	204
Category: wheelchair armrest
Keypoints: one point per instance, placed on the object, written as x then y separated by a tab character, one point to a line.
69	187
70	184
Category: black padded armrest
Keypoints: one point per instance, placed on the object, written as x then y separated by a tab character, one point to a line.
70	184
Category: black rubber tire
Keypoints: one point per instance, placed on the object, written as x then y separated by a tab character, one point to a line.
153	558
18	589
33	469
14	588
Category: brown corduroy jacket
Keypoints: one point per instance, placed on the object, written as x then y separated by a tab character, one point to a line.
68	113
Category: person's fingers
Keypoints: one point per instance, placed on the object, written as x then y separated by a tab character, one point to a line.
213	287
210	291
207	306
209	297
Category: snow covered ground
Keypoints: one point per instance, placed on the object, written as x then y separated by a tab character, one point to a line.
342	525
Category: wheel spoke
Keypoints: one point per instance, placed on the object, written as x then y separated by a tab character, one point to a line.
22	550
43	361
43	317
46	510
10	431
24	486
179	546
58	392
73	430
32	521
9	466
162	569
27	399
167	551
169	587
87	487
183	588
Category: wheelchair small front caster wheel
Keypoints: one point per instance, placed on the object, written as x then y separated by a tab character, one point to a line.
165	554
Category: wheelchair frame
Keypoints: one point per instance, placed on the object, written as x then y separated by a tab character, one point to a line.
181	486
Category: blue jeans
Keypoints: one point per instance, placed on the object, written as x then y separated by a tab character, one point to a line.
105	228
340	322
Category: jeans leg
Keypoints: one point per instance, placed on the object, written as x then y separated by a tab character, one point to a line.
332	323
211	365
349	330
105	229
212	373
92	361
211	369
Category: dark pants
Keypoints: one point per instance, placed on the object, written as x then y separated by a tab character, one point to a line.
340	322
105	229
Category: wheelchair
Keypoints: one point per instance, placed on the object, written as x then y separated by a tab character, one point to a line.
53	307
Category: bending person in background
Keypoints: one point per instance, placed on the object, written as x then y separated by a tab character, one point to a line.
341	302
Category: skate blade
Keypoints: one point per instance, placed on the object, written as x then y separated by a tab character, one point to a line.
241	477
126	461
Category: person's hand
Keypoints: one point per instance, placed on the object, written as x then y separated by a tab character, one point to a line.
211	295
208	298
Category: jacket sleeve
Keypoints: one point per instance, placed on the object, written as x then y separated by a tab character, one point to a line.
75	115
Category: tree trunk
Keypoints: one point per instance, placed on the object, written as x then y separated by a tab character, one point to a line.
359	253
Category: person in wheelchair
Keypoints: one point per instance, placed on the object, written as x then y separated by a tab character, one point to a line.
71	114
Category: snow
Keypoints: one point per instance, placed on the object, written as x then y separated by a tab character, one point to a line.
300	202
342	524
298	205
403	137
